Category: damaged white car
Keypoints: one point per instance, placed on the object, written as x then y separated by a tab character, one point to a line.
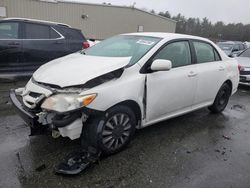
127	82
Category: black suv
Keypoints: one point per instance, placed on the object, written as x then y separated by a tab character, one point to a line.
26	44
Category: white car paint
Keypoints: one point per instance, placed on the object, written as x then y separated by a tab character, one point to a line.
169	93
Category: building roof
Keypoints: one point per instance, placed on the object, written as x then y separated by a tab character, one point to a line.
107	5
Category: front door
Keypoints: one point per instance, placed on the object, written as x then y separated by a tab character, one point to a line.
171	92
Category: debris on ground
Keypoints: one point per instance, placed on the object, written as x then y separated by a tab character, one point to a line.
238	107
41	168
226	137
76	162
188	152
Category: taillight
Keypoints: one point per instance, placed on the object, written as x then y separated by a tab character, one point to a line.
239	67
85	44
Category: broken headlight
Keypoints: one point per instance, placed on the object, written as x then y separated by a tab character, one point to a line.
67	102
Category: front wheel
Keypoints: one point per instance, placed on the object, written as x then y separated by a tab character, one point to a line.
221	99
111	133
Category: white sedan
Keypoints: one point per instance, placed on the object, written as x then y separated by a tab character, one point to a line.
126	82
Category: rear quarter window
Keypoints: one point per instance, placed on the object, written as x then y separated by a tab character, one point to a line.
54	34
72	34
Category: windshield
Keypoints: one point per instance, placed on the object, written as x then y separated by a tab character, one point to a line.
246	53
225	46
123	46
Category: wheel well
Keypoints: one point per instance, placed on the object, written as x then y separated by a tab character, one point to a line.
133	106
229	82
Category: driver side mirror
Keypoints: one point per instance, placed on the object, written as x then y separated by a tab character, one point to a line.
161	65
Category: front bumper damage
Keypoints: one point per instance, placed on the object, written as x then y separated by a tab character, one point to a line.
67	124
29	118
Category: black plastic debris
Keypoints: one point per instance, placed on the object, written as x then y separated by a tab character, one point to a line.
76	162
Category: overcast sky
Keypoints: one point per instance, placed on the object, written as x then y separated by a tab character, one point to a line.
229	11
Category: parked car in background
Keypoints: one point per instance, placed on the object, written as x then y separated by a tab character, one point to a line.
247	44
244	61
129	81
232	48
26	44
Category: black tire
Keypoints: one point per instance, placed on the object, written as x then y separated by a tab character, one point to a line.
112	132
221	99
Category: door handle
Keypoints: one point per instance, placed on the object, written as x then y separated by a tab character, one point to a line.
192	74
14	44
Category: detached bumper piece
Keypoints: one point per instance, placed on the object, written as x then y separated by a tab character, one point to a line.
78	161
29	118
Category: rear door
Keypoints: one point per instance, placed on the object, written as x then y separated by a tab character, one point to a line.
211	73
10	46
41	44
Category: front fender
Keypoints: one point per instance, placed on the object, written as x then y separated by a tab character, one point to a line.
130	86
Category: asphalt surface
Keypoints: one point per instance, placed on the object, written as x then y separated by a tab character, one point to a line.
199	149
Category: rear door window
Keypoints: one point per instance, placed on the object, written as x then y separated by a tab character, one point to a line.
36	31
9	30
205	52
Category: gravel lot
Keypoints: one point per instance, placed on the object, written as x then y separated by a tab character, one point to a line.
195	150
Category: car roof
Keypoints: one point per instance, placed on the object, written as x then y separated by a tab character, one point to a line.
169	36
35	21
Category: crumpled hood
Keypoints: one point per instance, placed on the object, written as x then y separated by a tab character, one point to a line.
243	61
77	69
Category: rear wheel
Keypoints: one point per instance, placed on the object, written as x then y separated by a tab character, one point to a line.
112	132
221	99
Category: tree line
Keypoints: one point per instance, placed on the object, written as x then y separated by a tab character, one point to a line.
218	31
